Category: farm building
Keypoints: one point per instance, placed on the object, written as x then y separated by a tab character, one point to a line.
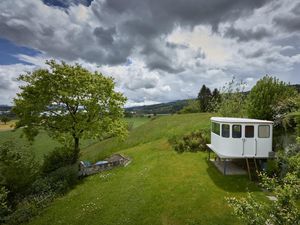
241	138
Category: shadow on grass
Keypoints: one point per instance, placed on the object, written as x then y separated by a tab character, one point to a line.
230	183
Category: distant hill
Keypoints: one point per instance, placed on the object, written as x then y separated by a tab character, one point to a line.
172	107
5	108
163	108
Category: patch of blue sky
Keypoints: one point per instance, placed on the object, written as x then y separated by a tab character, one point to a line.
9	52
66	3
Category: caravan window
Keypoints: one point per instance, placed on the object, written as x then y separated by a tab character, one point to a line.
236	131
263	131
225	130
249	131
215	127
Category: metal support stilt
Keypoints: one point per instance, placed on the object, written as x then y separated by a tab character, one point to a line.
225	164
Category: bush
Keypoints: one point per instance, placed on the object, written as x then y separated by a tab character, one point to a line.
18	168
192	107
4	209
28	208
58	181
58	158
192	142
272	167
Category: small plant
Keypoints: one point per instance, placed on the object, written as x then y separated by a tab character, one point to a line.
192	142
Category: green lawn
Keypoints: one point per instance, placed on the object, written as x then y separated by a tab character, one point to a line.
158	187
44	144
160	127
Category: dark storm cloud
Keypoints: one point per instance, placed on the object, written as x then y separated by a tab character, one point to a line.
105	36
190	12
290	23
132	23
256	33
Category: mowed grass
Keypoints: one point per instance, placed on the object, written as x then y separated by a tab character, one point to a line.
43	144
157	128
159	186
137	121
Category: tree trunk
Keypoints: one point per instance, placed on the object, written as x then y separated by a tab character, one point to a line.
76	149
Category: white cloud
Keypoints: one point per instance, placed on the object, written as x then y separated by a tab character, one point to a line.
172	54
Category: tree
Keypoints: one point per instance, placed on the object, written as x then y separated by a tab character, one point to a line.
232	100
70	103
4	119
265	95
204	98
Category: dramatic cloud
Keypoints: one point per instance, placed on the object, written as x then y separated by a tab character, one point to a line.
157	50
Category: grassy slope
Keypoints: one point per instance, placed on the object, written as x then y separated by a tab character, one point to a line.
43	144
158	187
164	126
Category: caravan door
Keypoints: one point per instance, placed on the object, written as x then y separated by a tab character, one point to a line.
249	145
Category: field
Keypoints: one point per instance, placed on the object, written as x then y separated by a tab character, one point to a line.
160	186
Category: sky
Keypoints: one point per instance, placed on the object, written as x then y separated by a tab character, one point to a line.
156	50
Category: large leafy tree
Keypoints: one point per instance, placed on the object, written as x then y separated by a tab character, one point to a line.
70	103
267	93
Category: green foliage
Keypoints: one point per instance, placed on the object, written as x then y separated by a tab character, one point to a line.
204	98
4	208
59	157
29	207
18	168
266	95
192	107
286	189
272	167
191	142
249	210
69	102
42	192
4	119
232	103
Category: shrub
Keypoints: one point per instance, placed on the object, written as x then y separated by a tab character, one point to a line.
272	167
18	168
58	158
4	209
192	107
192	142
28	208
64	178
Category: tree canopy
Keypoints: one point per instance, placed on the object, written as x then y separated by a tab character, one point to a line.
265	95
70	103
204	98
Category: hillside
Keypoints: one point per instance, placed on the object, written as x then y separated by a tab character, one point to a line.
163	108
160	186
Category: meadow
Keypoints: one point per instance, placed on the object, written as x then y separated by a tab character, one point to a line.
159	186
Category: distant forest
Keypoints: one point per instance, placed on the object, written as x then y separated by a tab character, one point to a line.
162	108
